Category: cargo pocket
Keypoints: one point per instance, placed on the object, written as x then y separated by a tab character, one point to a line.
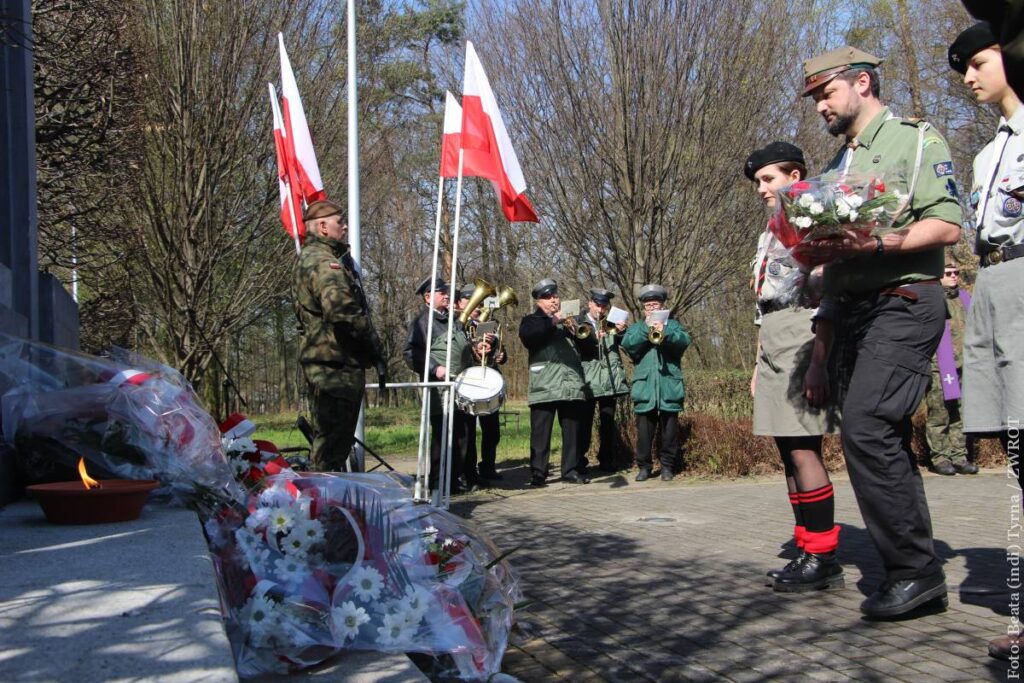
902	380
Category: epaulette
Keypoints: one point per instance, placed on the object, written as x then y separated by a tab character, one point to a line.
915	122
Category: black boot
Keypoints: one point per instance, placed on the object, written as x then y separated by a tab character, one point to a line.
812	572
773	574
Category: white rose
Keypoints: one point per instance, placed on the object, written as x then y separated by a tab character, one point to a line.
816	208
853	215
805	200
803	221
854	201
842	208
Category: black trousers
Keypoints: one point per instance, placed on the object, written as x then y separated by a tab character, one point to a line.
886	344
462	433
490	436
646	425
542	420
605	408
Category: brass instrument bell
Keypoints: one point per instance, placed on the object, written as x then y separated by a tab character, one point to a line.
482	290
506	297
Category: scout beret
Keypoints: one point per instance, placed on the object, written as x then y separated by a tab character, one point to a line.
439	285
322	209
823	68
772	153
544	287
653	293
601	296
969	43
466	291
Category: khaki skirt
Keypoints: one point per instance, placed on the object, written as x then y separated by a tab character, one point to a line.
780	408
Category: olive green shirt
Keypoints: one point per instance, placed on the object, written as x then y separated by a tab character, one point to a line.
887	148
337	339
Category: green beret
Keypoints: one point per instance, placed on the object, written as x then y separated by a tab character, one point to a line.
323	208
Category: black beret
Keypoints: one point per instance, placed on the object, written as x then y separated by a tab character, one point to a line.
439	285
969	43
772	153
544	287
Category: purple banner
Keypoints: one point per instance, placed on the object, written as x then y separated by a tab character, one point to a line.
948	375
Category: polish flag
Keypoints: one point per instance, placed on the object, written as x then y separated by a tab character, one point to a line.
487	150
300	144
450	137
291	199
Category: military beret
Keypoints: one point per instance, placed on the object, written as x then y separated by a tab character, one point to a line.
772	153
823	68
653	293
969	43
601	296
322	209
439	285
544	288
466	291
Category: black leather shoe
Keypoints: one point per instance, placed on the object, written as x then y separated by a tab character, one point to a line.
538	482
944	467
773	574
811	572
895	598
576	478
666	474
966	468
643	475
490	475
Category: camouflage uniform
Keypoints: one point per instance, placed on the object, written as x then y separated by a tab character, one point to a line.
337	343
943	428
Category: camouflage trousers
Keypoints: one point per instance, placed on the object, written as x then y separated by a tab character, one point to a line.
944	427
334	425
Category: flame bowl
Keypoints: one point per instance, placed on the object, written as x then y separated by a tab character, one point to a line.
69	502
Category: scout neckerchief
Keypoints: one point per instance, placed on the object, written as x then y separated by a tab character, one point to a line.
947	360
999	146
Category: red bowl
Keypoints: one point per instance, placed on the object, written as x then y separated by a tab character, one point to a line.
69	502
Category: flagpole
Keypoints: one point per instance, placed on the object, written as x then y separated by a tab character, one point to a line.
291	214
421	490
354	235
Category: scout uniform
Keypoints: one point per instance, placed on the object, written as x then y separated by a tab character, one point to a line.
890	314
336	340
602	366
557	386
658	389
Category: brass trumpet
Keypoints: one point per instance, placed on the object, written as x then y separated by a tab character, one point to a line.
655	336
584	331
482	290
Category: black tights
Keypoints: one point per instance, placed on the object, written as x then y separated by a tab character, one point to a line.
801	458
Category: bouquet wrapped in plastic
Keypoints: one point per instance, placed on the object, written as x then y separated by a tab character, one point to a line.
307	565
829	205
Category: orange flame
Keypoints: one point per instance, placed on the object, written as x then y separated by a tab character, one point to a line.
89	482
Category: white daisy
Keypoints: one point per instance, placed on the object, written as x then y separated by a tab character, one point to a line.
295	545
281	518
261	616
415	604
258	518
367	583
312	530
395	631
291	570
346	620
276	496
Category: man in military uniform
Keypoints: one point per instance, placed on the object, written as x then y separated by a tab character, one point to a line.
658	390
993	351
337	340
557	385
884	294
416	353
943	427
602	366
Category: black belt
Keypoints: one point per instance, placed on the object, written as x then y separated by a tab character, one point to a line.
1000	254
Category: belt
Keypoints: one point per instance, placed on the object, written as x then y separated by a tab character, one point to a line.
904	290
1000	254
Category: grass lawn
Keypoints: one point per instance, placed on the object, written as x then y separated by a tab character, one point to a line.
394	432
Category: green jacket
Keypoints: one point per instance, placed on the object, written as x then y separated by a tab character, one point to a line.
462	351
658	377
888	148
556	373
602	364
337	340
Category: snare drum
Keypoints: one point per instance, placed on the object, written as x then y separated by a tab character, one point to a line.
479	390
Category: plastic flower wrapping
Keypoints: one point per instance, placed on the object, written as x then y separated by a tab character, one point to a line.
307	564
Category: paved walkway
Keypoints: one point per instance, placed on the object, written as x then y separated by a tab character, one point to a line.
663	582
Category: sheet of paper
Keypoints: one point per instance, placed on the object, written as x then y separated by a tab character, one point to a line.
617	315
570	307
657	317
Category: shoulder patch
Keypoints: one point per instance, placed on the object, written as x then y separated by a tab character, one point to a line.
943	168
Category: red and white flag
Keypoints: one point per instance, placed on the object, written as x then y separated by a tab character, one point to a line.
300	150
291	199
487	150
450	139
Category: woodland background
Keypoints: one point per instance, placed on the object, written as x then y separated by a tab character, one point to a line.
631	119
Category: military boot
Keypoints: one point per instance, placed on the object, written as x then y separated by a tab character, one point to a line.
812	572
